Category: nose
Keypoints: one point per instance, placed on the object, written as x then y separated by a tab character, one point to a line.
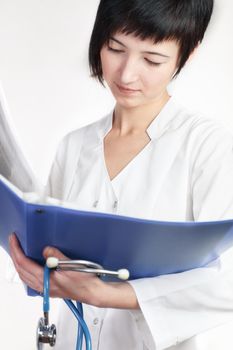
129	71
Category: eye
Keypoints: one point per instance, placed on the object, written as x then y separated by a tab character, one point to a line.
156	64
114	50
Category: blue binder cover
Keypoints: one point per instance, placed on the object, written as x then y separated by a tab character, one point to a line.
145	247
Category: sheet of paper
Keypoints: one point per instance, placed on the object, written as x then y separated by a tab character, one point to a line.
13	165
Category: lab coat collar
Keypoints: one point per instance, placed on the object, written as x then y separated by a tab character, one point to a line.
162	122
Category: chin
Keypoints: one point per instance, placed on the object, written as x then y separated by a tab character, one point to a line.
128	105
128	102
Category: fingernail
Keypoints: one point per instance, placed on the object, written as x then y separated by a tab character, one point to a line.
48	250
11	237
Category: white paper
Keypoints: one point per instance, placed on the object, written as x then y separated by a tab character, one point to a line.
13	165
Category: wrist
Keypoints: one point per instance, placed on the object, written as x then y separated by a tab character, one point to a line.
116	295
95	293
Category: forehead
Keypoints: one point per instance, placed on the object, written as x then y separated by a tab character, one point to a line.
131	42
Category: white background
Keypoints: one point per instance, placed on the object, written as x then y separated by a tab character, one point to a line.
44	73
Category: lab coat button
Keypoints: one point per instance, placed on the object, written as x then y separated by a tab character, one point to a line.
96	321
115	204
95	204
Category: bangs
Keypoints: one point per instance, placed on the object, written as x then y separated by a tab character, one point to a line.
158	21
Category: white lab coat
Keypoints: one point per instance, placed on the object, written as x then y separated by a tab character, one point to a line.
184	173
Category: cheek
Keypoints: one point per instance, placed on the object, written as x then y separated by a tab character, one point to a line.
111	75
158	79
109	65
153	81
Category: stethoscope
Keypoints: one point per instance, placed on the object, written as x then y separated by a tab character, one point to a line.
47	334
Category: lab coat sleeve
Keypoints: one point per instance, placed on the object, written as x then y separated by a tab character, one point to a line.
55	183
212	177
64	166
177	307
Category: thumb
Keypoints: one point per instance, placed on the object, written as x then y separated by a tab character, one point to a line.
54	252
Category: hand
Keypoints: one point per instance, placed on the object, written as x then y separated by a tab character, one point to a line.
83	287
63	284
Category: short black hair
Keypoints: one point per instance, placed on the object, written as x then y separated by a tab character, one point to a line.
182	20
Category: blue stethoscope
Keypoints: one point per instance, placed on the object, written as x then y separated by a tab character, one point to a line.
47	334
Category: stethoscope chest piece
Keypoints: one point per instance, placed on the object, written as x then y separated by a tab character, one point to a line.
45	334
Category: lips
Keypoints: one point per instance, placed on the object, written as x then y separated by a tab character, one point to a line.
127	90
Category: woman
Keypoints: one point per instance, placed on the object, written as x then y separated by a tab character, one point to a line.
149	158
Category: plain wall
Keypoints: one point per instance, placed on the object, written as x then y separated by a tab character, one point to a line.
44	73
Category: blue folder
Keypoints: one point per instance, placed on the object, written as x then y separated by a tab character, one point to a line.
146	248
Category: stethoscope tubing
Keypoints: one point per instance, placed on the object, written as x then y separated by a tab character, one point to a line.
80	330
83	326
46	305
78	313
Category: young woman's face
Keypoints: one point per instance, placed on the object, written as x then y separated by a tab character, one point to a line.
138	71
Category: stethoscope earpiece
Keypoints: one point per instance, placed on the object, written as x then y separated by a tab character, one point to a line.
86	267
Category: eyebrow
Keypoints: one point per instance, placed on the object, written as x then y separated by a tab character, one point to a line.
148	52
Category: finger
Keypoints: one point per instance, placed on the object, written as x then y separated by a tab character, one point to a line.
15	250
31	281
13	241
54	252
21	262
29	278
61	283
15	247
18	254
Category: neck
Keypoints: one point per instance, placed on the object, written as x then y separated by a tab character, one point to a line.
137	119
